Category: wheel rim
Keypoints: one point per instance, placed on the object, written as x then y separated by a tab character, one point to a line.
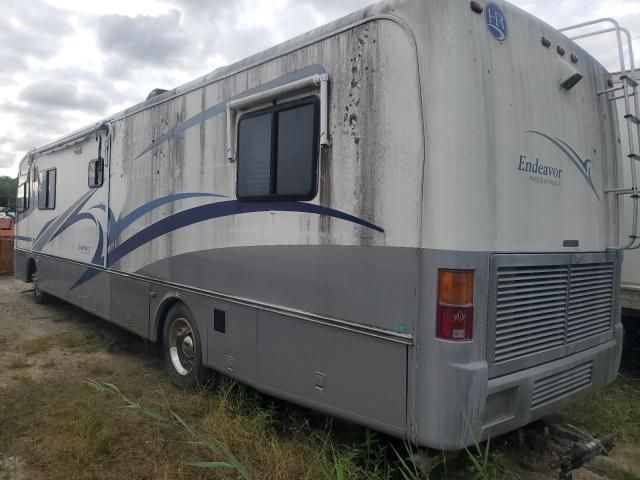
182	346
36	284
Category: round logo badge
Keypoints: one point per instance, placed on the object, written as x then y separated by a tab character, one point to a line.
496	21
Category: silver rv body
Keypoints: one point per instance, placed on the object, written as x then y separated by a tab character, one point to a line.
444	141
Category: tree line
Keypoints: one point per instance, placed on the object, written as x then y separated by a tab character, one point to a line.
8	189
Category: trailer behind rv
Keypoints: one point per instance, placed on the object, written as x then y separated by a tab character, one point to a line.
630	276
403	218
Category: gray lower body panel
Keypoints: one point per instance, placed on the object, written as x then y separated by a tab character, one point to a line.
353	371
349	331
373	286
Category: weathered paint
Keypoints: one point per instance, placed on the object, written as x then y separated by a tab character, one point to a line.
429	119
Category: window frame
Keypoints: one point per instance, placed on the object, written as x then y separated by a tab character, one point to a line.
274	109
55	188
100	163
26	196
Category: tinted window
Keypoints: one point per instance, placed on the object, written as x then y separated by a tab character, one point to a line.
96	176
47	190
254	156
22	202
51	195
278	151
296	151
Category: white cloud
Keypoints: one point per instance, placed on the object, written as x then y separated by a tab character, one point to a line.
67	63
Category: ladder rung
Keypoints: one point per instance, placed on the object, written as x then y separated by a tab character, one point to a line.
620	191
633	118
620	97
635	156
610	90
630	81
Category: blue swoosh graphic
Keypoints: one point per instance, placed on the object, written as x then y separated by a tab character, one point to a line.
78	217
63	221
219	210
581	165
212	211
117	227
46	225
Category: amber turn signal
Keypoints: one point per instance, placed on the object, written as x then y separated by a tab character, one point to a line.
455	287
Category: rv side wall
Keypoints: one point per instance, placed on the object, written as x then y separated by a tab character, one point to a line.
449	148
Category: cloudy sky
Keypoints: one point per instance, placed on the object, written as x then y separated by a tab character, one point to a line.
65	64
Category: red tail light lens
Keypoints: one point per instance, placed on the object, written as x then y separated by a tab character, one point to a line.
455	323
455	305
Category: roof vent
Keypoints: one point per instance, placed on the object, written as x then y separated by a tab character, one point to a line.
155	92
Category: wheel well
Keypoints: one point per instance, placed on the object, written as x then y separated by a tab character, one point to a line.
31	269
161	316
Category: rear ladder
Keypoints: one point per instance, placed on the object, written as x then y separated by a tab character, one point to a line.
629	89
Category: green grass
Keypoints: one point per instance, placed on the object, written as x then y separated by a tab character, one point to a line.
614	409
144	428
19	363
86	341
49	364
38	345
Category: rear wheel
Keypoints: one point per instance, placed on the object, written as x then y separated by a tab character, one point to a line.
182	348
39	296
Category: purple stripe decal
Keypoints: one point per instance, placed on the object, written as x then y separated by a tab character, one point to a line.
212	211
223	209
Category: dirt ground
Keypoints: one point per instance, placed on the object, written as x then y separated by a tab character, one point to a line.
53	425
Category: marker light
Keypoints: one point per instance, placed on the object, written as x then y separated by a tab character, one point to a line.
455	305
546	42
476	7
561	51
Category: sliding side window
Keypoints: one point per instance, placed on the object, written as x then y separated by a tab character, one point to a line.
47	190
278	151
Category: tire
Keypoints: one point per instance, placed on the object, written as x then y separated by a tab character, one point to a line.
182	348
39	296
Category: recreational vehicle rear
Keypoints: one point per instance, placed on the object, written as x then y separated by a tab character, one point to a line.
402	218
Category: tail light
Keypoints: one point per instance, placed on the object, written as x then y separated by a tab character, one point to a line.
455	305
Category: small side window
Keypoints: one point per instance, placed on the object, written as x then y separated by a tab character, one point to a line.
96	173
22	202
47	190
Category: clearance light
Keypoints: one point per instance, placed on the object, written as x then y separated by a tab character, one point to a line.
476	7
455	305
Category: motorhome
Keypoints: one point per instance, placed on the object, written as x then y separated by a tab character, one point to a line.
408	218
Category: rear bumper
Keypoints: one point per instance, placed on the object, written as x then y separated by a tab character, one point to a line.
469	406
469	391
522	397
